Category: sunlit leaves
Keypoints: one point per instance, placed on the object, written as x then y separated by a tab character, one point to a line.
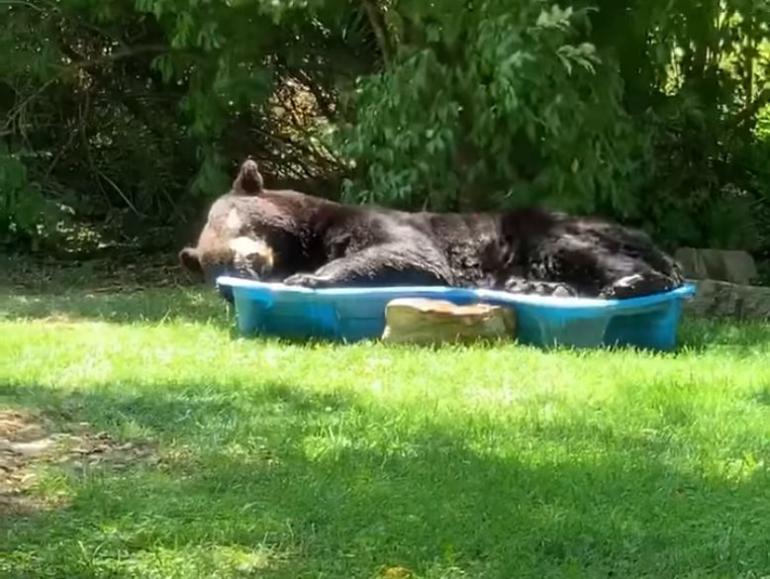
516	108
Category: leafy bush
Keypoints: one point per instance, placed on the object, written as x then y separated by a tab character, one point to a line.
19	204
117	112
497	105
144	108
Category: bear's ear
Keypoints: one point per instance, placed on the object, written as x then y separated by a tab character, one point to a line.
190	260
249	180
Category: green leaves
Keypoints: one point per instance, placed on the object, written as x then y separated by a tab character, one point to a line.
584	56
646	110
555	18
21	204
514	112
13	174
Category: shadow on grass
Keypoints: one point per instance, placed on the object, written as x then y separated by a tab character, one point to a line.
327	485
152	305
700	334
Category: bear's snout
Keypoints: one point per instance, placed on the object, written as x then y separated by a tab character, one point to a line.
252	258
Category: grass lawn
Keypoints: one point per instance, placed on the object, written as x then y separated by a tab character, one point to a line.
183	451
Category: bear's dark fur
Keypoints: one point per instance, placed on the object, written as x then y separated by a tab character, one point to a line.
303	240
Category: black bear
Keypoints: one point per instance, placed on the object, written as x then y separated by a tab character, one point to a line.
290	237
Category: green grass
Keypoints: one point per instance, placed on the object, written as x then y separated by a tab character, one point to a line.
286	460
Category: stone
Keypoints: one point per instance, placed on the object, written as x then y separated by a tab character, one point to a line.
34	448
724	265
720	299
419	320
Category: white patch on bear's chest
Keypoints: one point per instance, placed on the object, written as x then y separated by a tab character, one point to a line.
233	221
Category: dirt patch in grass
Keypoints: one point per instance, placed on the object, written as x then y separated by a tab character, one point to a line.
29	442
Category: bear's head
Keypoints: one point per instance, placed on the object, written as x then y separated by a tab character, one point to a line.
245	230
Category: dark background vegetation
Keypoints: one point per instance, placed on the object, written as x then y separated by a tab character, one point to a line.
121	120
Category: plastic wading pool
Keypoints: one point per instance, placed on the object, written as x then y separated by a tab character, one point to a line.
352	314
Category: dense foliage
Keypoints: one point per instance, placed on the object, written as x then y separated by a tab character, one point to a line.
128	116
495	103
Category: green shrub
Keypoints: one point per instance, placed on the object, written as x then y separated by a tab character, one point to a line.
501	104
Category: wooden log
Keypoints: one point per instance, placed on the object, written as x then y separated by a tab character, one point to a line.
421	320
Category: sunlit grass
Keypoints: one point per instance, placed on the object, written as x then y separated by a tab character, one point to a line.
290	460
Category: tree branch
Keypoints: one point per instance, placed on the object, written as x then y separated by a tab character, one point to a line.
23	3
747	114
378	29
123	53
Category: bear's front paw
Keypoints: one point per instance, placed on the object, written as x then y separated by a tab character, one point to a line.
307	280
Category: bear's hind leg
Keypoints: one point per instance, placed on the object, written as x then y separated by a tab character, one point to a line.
598	272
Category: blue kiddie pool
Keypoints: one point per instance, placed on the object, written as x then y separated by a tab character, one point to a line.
352	314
